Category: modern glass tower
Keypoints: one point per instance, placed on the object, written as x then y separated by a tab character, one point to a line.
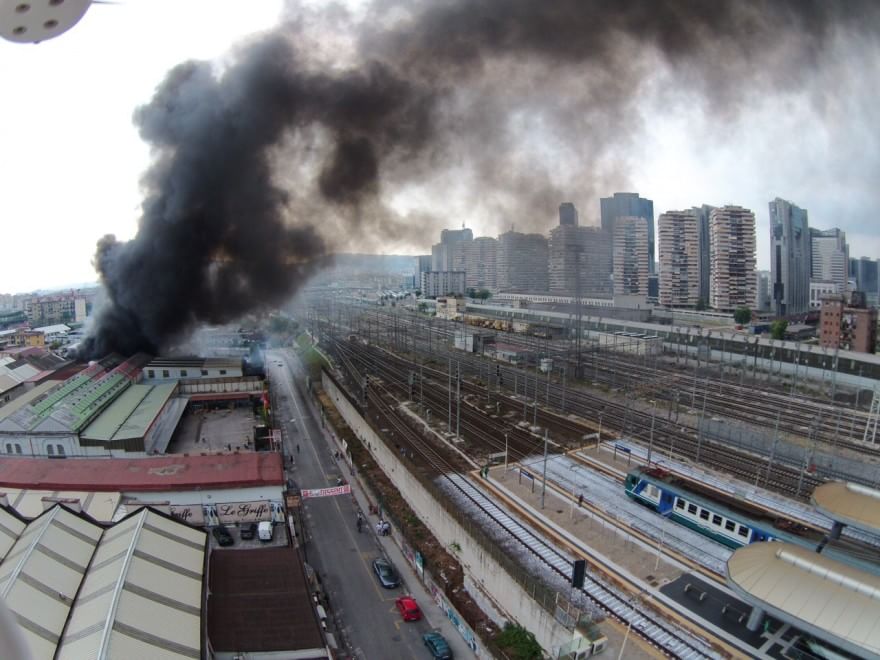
790	258
629	205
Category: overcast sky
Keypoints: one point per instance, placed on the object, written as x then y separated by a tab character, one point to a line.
71	158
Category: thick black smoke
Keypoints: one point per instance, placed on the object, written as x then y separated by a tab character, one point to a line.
264	169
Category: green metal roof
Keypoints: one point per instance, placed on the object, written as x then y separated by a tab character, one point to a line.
131	414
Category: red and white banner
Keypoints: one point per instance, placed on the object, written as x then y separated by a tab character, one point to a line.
327	492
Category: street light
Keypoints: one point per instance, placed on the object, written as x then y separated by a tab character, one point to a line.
632	602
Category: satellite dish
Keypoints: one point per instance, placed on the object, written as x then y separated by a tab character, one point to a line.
33	21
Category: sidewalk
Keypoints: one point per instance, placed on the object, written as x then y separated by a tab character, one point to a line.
432	612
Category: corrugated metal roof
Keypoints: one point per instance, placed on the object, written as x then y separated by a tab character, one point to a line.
115	415
26	398
41	574
10	529
142	595
824	597
143	416
852	504
29	502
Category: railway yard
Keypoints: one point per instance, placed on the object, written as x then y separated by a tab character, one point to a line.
655	469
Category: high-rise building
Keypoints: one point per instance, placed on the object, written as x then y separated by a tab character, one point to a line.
522	262
865	273
705	256
629	205
790	261
449	253
480	264
580	262
829	255
762	291
424	263
568	215
631	256
732	246
443	282
680	261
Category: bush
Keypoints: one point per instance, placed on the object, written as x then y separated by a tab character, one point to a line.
519	643
777	329
742	315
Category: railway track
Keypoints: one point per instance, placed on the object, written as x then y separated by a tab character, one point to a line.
664	636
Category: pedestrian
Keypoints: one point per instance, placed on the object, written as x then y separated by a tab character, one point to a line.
297	449
386	528
379	527
580	500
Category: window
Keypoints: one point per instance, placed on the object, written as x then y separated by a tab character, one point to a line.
61	450
165	373
692	508
743	531
50	450
183	373
204	372
730	525
8	447
716	520
704	515
223	372
17	448
679	504
151	373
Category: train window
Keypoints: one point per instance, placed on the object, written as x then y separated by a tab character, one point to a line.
730	525
743	531
679	503
704	514
692	508
716	520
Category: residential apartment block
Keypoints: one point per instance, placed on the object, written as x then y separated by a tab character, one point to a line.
522	262
732	246
580	262
481	263
829	258
442	282
629	205
849	328
631	257
680	261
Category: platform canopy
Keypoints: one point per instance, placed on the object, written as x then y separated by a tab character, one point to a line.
851	504
825	598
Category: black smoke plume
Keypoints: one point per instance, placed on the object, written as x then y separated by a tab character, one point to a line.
289	151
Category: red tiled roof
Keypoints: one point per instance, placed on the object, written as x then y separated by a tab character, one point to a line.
143	474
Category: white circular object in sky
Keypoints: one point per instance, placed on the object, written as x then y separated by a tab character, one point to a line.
33	21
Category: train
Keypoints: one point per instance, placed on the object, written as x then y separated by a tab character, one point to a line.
734	523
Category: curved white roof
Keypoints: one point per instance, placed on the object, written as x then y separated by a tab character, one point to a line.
852	504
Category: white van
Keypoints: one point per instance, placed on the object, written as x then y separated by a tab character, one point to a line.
264	530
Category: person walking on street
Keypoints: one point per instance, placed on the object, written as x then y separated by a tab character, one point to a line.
297	448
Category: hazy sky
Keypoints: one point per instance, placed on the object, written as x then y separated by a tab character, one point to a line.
71	158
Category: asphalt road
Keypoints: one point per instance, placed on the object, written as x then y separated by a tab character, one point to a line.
365	613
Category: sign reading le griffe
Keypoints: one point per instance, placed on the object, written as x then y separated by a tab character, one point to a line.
235	512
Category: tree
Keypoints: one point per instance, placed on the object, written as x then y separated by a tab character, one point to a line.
519	643
472	292
484	294
701	305
777	329
742	315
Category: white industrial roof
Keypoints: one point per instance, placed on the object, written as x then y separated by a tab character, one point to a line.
30	503
142	595
52	329
852	504
825	597
41	574
10	529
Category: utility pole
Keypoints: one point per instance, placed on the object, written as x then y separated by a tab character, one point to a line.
458	401
449	389
651	440
544	486
702	422
505	453
772	450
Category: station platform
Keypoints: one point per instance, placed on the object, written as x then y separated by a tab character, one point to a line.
849	504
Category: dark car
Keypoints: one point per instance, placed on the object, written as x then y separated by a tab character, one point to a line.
437	646
248	531
388	577
221	533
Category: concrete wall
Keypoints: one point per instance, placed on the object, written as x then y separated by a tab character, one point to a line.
509	596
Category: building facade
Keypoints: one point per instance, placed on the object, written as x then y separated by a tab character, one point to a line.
848	328
629	205
568	215
631	256
865	273
481	263
580	262
449	253
762	290
829	258
680	259
440	283
522	262
732	267
790	260
51	310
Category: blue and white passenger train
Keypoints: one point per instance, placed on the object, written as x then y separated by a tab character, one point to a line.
671	497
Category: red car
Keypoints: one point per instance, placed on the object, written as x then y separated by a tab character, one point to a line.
408	608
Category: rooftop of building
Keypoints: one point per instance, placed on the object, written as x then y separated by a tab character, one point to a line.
268	584
193	362
31	502
823	597
131	414
143	474
79	589
851	504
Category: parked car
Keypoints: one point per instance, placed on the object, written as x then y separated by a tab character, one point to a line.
408	608
437	645
248	531
221	533
388	577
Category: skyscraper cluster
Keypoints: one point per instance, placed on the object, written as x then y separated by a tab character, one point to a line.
705	258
